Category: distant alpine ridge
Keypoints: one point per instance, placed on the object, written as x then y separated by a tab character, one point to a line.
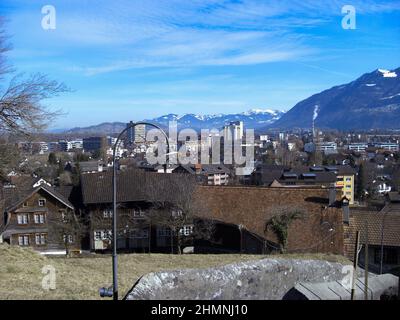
254	119
370	102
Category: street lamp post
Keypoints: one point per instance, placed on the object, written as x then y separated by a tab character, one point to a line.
113	292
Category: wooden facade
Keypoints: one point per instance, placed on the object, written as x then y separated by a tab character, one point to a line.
34	220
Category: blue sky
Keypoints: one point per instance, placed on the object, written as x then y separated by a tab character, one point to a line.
131	60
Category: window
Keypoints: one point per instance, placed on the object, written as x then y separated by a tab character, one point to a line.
348	186
176	213
107	213
42	202
102	235
22	219
68	238
339	179
23	240
25	204
40	238
39	218
138	213
348	179
186	230
97	235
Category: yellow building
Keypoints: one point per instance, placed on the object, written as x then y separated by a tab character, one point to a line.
345	181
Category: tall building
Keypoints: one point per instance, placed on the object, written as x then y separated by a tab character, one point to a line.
140	133
94	143
130	132
136	134
234	130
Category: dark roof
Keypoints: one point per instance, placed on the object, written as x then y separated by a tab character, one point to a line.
206	169
15	196
132	185
86	166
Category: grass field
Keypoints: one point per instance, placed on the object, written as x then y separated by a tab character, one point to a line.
80	278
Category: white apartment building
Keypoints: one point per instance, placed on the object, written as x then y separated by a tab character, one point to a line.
327	147
234	130
389	146
358	147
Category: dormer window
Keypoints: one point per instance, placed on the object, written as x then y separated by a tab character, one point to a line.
42	202
25	204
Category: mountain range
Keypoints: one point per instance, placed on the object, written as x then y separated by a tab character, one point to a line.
370	102
255	118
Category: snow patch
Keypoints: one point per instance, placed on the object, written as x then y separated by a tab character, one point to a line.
387	73
371	84
391	97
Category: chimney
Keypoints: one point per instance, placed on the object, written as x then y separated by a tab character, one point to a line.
332	195
346	211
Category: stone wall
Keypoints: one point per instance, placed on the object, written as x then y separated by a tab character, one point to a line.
253	280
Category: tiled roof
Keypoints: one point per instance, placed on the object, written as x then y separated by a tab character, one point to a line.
207	169
14	196
387	219
132	185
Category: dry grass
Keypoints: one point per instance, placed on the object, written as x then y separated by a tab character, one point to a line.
80	278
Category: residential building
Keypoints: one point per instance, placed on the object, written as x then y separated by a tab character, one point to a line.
234	130
94	143
382	225
76	144
64	145
92	166
137	192
140	133
327	147
358	147
33	217
207	174
345	181
389	146
53	147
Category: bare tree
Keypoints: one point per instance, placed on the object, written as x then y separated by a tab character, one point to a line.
67	229
173	207
9	155
21	101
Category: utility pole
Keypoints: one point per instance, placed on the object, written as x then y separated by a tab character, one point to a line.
366	262
356	251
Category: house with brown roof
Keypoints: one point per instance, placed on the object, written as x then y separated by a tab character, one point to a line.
34	216
137	193
379	228
238	213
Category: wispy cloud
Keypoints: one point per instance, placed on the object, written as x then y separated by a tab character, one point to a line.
176	33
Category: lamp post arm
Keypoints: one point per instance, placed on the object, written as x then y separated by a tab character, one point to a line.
114	191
